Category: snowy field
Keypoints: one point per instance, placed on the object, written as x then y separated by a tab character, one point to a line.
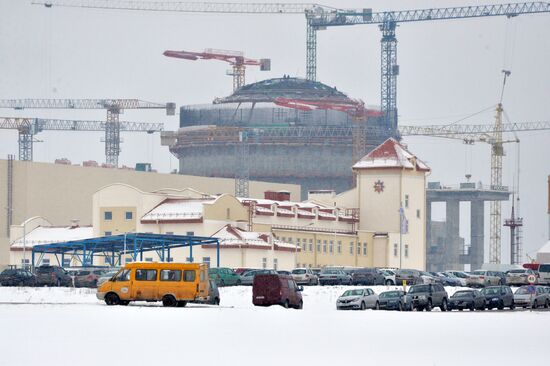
60	326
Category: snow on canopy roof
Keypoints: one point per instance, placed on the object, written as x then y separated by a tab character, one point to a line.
260	201
53	234
176	209
391	154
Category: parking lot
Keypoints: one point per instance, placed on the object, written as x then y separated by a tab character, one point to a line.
71	326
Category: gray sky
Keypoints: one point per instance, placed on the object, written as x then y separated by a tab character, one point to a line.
448	70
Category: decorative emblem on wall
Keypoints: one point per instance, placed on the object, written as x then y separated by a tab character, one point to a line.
379	186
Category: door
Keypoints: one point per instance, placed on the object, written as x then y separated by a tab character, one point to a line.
371	299
190	288
144	284
122	284
203	283
170	283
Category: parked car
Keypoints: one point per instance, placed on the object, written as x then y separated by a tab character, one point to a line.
87	277
107	276
427	278
305	276
367	276
358	299
498	297
461	280
276	289
467	299
389	276
426	297
394	300
213	297
489	278
531	296
224	276
515	277
544	274
469	279
288	273
445	279
240	271
17	277
411	276
334	277
247	277
52	276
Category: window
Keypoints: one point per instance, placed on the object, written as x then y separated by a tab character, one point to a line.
148	259
358	248
406	201
275	263
339	247
146	274
283	239
298	243
291	284
189	276
331	247
108	233
395	250
206	260
364	248
324	246
170	275
202	276
406	250
190	233
107	215
264	262
311	245
418	213
123	276
318	246
128	215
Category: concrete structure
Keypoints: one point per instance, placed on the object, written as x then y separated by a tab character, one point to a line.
62	193
435	254
311	121
452	254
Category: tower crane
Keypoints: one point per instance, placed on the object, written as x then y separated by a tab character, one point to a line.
29	127
388	22
112	126
235	58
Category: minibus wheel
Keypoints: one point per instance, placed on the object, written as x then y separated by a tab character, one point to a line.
169	301
112	299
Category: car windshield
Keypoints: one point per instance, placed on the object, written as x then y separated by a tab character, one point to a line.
460	274
388	294
482	273
522	291
353	293
329	271
420	288
298	271
462	294
491	291
44	269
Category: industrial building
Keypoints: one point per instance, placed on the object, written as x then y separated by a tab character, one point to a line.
379	223
289	122
62	193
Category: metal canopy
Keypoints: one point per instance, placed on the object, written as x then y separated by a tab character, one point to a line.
114	247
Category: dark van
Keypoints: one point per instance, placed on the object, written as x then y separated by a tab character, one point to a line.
276	289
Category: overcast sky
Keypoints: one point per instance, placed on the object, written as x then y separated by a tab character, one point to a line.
448	70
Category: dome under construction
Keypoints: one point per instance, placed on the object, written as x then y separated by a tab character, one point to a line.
296	131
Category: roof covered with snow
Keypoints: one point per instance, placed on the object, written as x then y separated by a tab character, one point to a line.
53	234
231	235
391	154
177	210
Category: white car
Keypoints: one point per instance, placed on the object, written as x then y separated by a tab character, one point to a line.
304	276
358	299
389	276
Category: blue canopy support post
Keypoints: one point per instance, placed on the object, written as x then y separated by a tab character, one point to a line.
63	259
92	257
134	256
113	258
218	252
32	259
190	242
84	254
162	256
169	256
141	254
119	260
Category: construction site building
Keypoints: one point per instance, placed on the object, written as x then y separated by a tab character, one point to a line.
309	122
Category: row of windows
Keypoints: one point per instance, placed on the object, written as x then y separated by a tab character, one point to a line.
396	250
165	275
108	215
328	246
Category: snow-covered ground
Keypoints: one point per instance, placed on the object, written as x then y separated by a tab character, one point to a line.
61	326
